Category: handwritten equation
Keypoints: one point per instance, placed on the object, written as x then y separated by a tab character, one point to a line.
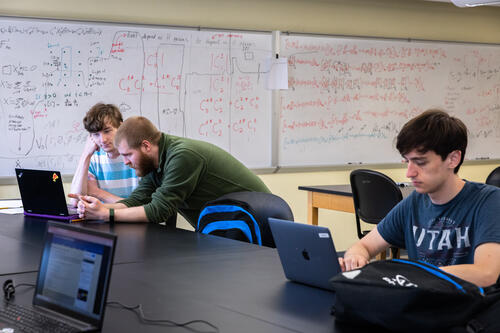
201	84
348	99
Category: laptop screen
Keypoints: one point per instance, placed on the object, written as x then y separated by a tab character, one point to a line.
74	272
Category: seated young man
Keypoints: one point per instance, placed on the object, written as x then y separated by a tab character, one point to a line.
446	221
101	171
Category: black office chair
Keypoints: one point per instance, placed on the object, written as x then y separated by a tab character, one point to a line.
243	216
494	177
374	195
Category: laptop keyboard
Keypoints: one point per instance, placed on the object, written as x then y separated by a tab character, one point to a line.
29	321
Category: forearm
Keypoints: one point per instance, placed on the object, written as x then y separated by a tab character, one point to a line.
157	205
368	246
122	213
131	214
115	205
480	276
362	251
485	269
103	195
79	182
358	250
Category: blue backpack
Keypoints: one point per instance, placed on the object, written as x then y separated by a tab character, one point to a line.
243	216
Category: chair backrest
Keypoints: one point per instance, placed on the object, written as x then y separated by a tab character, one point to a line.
374	195
494	177
243	216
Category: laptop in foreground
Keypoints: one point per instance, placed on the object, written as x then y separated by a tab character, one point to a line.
72	283
42	194
307	252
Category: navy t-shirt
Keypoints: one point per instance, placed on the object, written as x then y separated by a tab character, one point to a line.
445	234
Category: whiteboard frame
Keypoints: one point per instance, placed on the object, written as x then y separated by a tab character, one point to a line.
400	39
141	25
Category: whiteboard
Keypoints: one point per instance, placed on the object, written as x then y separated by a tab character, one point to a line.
348	98
206	85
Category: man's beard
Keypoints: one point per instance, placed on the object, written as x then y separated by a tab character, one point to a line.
144	166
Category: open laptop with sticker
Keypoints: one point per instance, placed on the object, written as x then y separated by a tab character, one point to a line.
307	252
42	194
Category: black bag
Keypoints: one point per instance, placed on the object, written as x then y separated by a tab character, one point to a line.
243	216
406	296
487	320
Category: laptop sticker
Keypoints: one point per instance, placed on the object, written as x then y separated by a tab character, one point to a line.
323	235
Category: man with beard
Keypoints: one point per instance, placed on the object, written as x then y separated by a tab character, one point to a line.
100	171
178	175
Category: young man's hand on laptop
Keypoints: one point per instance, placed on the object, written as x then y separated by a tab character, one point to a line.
79	197
88	206
75	196
351	262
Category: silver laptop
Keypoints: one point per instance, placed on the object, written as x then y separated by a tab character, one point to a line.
72	283
307	252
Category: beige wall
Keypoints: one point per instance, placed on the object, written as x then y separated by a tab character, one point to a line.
384	18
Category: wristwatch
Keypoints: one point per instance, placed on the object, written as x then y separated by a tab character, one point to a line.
111	215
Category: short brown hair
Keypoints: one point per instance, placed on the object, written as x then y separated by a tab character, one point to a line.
95	119
433	130
135	130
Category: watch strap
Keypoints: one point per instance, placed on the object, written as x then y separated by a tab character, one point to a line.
111	215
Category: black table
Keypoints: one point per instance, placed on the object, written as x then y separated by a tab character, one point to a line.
181	276
21	238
